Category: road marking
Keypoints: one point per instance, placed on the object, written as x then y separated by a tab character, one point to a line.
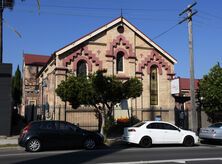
165	161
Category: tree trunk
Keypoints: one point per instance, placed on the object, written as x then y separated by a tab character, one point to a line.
100	119
102	123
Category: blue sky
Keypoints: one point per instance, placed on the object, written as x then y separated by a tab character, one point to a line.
60	22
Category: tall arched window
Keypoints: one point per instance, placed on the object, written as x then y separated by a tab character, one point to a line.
153	86
81	68
119	61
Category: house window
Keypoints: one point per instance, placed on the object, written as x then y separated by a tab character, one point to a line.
119	61
153	86
81	68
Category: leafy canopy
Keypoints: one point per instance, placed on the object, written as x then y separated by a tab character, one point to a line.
211	90
98	89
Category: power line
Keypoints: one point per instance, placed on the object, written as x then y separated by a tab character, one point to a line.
165	32
102	8
152	19
95	15
66	14
211	15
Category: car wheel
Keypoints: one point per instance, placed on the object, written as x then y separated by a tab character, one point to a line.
89	144
188	141
33	145
146	142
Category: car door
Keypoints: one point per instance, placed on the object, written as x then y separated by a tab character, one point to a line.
48	134
172	134
155	131
70	135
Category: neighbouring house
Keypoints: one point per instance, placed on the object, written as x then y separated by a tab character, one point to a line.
32	64
181	93
125	52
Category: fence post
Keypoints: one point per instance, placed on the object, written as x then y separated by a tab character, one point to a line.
59	111
161	114
65	111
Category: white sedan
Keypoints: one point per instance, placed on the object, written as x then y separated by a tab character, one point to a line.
147	133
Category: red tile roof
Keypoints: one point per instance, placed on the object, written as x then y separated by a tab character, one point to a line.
33	59
185	84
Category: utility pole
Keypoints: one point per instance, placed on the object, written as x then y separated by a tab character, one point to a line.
189	12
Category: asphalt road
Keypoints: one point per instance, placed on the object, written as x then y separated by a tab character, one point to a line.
126	154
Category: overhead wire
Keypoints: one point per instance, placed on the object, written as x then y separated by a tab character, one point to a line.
211	15
97	14
111	9
207	19
166	31
100	8
109	15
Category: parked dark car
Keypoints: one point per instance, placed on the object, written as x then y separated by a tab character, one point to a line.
39	135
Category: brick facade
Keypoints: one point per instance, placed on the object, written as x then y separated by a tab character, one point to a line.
99	50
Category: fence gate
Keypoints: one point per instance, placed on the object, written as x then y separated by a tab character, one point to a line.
181	118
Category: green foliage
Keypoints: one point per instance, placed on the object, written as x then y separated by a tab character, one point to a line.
17	87
117	129
108	89
211	91
76	90
132	88
134	120
99	91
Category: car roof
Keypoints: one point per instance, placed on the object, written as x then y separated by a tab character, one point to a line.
45	121
158	122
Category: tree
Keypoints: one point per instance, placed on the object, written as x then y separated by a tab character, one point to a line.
17	88
99	91
211	92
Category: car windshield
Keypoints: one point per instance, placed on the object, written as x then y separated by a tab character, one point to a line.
217	125
139	124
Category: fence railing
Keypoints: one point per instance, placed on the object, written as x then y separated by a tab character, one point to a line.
85	117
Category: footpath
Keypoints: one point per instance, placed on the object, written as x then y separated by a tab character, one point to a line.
8	141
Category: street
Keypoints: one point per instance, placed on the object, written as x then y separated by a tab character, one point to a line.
123	154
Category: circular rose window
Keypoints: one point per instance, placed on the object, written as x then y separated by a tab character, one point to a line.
120	29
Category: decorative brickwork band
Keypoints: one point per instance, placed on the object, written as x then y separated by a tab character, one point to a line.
114	48
83	54
154	59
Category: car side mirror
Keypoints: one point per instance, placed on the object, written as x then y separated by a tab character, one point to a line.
178	129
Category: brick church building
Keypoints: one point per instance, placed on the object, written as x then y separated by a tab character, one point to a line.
125	52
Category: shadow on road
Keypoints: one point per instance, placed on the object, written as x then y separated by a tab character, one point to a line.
81	156
88	156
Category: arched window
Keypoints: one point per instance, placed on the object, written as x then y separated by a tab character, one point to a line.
153	86
119	61
81	68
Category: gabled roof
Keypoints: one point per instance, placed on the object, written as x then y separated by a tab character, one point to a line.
34	59
109	25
